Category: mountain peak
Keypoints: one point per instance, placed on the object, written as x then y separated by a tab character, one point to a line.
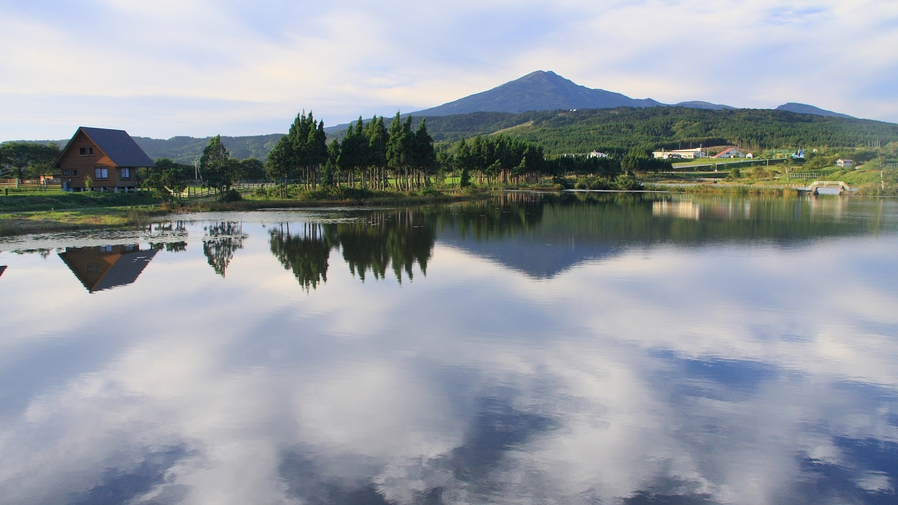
539	90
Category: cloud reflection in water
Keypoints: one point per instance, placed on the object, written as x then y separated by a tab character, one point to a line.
662	373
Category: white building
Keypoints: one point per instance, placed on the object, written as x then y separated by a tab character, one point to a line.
844	163
676	154
729	153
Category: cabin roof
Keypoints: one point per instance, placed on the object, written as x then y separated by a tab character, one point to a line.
110	269
117	144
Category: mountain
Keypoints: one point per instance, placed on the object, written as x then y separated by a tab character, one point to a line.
537	91
704	105
801	108
189	149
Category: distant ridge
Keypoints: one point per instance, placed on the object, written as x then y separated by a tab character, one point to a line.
704	105
537	91
802	108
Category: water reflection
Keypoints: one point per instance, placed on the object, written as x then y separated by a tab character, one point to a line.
575	350
221	241
176	229
400	238
304	252
395	239
107	267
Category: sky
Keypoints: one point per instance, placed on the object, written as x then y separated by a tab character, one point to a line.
232	67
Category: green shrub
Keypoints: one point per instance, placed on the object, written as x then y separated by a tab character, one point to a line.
626	183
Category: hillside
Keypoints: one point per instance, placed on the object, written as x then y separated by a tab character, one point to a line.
617	130
189	149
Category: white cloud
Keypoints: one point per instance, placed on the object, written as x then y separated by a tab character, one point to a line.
260	63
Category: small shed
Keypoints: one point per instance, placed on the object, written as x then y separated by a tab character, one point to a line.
844	163
100	158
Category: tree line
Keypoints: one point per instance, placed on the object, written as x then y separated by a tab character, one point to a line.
374	156
27	160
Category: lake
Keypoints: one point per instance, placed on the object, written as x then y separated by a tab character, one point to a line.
575	349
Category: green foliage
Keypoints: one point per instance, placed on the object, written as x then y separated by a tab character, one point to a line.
217	168
465	179
339	193
252	169
186	171
639	159
625	182
166	184
20	160
299	154
499	158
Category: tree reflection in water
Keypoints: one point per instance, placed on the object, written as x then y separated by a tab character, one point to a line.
398	239
304	252
166	230
220	242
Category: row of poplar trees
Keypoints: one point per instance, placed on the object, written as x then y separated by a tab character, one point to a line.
369	155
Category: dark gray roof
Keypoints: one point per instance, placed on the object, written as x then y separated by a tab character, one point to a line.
119	146
122	272
125	271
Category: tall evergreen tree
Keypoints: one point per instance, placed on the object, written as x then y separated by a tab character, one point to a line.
424	155
218	169
378	138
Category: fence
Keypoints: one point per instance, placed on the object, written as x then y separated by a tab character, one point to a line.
803	175
205	191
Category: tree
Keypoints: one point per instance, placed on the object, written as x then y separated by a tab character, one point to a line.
187	172
252	169
218	169
166	184
376	158
424	155
464	159
301	152
399	149
19	158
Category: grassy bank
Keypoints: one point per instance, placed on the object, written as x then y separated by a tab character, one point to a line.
45	212
25	212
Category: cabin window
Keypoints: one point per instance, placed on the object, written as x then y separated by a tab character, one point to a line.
74	172
102	173
86	151
65	172
126	173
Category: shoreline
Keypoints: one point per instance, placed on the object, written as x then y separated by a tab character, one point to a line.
100	217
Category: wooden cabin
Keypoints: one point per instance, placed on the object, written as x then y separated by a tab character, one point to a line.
109	158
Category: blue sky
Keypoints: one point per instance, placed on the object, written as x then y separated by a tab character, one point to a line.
232	67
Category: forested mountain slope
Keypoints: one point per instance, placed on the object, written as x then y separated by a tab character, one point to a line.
668	127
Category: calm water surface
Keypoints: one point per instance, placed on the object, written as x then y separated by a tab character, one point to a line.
612	349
